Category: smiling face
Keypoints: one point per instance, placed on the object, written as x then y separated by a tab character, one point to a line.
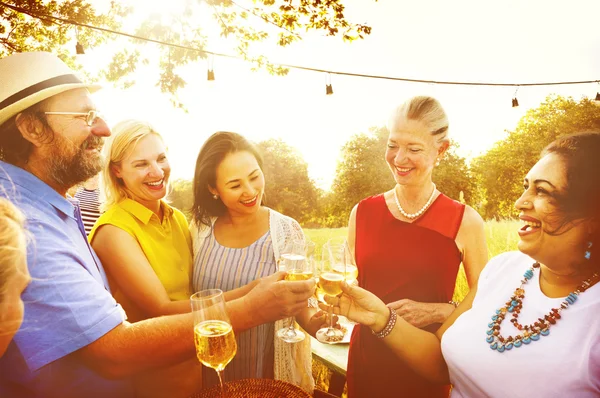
145	170
546	235
240	183
74	155
412	152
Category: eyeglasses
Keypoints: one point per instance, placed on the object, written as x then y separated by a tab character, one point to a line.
90	116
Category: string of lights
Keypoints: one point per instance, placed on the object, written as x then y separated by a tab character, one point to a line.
329	90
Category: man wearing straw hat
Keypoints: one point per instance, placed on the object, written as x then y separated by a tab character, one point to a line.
75	341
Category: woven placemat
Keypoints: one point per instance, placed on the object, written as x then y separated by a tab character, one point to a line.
255	388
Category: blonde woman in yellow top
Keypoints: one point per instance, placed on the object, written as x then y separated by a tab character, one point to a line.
144	244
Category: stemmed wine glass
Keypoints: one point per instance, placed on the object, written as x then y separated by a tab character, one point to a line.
297	261
349	268
333	273
213	333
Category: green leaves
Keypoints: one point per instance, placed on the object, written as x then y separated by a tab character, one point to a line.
501	170
282	21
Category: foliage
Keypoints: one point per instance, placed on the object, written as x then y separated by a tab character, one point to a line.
501	170
453	177
181	195
20	32
289	189
361	172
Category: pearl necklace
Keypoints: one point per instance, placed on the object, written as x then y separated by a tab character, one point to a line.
417	214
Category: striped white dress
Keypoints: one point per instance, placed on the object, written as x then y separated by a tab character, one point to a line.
225	268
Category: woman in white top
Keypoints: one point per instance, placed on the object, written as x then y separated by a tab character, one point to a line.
532	326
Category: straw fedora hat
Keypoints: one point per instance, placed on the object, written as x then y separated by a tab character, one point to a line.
31	77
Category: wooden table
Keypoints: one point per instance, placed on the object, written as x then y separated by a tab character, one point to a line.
335	357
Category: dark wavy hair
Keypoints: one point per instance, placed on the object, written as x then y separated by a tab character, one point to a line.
581	200
212	153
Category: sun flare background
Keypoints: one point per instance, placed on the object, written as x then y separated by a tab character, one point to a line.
508	42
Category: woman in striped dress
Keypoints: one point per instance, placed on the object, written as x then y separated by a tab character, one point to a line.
236	240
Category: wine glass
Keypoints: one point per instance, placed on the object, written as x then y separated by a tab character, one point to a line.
333	273
349	268
297	261
213	333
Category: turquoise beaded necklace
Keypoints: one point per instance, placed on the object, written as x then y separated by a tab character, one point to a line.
531	332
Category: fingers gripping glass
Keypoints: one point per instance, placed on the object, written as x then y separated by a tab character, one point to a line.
297	261
213	333
90	116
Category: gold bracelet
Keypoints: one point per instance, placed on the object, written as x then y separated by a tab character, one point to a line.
454	303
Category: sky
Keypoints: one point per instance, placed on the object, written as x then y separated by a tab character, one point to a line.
509	42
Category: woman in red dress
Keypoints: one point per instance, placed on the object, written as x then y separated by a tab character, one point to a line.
408	244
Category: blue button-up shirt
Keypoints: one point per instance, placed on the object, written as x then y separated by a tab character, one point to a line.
68	304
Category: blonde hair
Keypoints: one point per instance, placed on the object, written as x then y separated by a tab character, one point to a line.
426	110
124	138
12	241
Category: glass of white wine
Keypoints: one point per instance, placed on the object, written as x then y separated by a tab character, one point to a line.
297	261
333	273
348	268
213	333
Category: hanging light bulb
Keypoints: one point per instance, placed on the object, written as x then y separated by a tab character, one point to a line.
211	71
328	86
78	47
515	102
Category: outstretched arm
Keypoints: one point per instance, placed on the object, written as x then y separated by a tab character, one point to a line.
419	348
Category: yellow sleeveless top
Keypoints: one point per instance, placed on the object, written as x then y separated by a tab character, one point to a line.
167	246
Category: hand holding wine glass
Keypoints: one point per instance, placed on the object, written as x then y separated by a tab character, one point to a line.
296	260
333	273
213	333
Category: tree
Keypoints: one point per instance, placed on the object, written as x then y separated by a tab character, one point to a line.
453	178
289	189
361	172
19	32
37	25
501	170
181	196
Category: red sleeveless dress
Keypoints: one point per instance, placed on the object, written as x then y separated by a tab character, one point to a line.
398	260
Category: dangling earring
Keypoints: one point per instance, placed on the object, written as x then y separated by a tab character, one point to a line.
588	252
215	196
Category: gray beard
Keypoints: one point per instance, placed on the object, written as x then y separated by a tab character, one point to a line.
68	172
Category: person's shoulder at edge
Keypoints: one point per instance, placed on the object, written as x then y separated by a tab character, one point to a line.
505	262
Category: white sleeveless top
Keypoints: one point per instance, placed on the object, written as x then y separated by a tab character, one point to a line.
566	363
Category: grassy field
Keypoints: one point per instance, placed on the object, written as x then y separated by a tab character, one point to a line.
501	236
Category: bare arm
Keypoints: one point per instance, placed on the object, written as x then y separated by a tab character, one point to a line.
419	348
471	237
127	265
130	348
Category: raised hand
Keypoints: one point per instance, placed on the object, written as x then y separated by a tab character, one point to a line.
274	298
359	305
